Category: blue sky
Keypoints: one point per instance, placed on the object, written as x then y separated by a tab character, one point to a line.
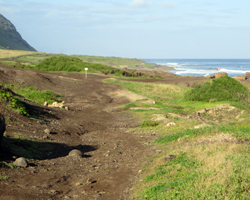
134	28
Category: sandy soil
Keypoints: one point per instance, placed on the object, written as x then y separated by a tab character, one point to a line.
112	154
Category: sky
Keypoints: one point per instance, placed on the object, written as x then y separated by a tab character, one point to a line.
134	28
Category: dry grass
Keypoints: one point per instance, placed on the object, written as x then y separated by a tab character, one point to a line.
160	89
13	53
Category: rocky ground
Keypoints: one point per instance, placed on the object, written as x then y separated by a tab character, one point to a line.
112	155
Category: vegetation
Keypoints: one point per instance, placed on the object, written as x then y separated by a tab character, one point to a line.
115	61
199	170
148	124
39	97
222	89
16	104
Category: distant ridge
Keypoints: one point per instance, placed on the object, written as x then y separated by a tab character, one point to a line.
10	38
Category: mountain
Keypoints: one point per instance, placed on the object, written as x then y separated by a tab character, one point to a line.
10	38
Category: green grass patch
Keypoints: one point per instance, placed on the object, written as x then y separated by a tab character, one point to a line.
39	97
4	164
16	104
4	178
196	174
148	123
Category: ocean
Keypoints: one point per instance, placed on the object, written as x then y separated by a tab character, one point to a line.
202	67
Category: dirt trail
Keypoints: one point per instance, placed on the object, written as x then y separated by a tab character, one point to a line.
112	156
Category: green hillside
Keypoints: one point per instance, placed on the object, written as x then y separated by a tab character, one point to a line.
10	38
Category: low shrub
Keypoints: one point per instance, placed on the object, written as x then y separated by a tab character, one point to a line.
148	124
222	89
15	102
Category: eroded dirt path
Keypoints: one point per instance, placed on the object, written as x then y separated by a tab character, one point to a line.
112	155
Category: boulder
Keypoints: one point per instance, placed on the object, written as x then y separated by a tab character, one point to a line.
75	153
20	162
240	77
2	127
247	75
220	74
209	76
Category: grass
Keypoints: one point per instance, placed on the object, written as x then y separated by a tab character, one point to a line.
212	171
39	97
148	124
4	53
4	164
15	103
200	171
4	178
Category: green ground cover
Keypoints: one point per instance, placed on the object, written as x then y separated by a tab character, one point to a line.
217	170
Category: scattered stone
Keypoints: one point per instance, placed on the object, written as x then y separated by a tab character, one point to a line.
78	184
182	138
56	105
209	76
75	153
45	103
171	124
54	192
90	181
170	157
247	74
140	171
220	74
46	137
240	77
66	197
47	131
199	126
148	101
20	162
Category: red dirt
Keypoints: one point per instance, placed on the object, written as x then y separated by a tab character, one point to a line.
112	154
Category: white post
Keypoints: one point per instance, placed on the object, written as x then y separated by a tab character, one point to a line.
86	71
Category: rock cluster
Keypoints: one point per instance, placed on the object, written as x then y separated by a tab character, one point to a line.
220	74
56	105
243	77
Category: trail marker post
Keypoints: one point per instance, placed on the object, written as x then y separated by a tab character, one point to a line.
86	72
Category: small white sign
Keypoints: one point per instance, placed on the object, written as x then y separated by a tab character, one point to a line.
86	69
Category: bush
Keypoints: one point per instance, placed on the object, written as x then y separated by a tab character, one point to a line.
222	89
148	124
15	102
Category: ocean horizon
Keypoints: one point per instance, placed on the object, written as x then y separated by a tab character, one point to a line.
202	67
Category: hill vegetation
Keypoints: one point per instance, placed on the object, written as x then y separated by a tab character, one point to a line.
200	157
10	38
116	61
222	89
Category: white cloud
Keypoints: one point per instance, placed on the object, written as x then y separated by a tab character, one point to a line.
8	10
139	3
167	4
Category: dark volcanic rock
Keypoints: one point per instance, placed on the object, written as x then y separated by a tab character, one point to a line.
2	127
10	38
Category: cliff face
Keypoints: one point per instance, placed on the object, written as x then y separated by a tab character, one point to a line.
10	38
